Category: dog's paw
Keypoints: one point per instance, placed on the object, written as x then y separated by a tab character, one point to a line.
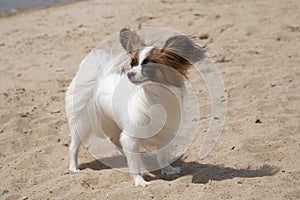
169	170
74	169
139	181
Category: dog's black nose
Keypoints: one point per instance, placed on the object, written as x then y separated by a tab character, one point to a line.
130	74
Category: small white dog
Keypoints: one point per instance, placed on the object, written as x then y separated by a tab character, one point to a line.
105	99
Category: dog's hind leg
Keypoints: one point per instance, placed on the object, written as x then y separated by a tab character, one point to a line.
74	147
130	147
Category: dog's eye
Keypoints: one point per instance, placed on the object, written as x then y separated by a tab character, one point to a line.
145	61
134	62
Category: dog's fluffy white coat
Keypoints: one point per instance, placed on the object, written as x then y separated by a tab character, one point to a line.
101	100
137	110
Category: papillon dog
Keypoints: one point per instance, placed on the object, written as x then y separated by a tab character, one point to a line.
136	109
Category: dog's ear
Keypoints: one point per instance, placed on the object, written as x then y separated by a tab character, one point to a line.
130	41
184	47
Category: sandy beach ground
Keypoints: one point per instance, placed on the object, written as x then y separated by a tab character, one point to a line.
256	46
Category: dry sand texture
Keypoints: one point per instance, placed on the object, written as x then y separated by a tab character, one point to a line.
256	46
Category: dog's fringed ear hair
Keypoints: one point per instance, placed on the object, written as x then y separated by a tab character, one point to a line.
184	47
180	52
130	41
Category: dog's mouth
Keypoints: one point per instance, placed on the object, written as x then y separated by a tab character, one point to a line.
139	81
136	76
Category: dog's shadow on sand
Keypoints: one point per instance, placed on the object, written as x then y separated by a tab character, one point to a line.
201	173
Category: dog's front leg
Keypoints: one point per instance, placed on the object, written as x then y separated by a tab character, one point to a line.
131	148
164	162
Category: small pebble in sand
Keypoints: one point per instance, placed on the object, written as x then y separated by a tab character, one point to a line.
4	192
204	36
258	121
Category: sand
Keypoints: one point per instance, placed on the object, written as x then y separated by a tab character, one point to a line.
255	45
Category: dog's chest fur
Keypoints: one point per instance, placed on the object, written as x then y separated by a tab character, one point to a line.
151	112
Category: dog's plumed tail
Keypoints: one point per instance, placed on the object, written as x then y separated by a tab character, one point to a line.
82	114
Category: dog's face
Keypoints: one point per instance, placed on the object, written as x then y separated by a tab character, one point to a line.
145	67
167	65
139	64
